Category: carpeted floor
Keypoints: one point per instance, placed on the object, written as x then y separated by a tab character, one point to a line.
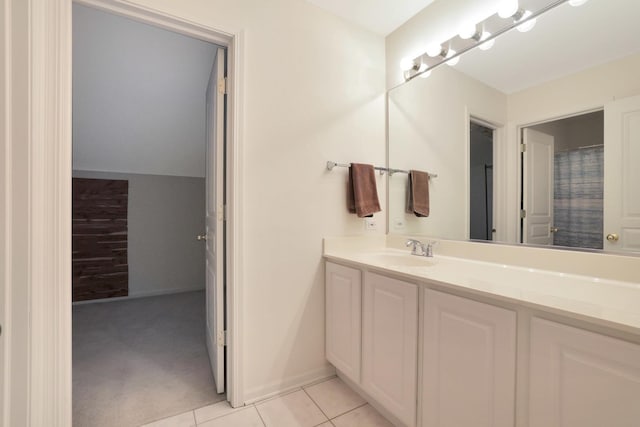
140	360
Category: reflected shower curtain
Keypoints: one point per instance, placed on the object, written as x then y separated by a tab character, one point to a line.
578	197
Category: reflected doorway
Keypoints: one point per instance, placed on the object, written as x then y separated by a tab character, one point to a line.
481	147
572	181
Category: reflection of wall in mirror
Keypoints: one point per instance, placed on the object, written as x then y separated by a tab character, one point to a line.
428	125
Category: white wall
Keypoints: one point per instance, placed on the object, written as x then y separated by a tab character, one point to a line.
313	91
429	130
165	214
138	96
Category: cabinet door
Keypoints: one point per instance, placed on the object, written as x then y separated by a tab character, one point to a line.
343	319
580	378
468	363
390	344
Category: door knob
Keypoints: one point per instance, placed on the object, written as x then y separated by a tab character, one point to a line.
613	237
554	229
201	237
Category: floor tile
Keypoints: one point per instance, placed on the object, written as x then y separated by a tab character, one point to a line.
216	410
182	420
246	417
327	424
364	416
292	410
334	397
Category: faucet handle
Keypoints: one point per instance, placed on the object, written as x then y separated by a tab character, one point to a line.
428	247
415	244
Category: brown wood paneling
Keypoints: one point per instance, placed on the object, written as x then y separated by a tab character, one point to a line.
99	244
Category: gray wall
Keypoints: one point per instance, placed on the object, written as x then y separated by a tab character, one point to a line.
481	154
165	215
138	96
574	132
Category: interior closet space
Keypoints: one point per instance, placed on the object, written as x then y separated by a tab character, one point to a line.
140	129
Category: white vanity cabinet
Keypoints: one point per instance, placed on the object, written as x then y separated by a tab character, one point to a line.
468	363
582	378
390	344
343	319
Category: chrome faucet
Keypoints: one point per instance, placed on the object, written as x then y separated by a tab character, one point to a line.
421	249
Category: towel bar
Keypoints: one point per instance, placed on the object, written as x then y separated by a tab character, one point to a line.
331	165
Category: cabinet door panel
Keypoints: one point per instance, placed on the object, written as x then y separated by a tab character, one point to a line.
581	378
390	332
343	319
469	355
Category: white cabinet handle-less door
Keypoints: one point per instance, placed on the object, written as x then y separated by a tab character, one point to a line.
468	363
390	344
343	319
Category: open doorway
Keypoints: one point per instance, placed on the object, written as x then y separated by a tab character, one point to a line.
145	183
481	148
563	182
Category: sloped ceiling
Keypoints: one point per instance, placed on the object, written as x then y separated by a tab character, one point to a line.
138	96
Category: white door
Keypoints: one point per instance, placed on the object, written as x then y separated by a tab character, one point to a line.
343	319
468	363
580	378
390	344
215	220
538	187
622	175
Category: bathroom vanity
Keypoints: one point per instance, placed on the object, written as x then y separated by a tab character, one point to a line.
459	340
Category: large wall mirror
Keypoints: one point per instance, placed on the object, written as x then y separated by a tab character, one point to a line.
535	141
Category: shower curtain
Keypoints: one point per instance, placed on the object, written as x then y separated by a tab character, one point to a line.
578	197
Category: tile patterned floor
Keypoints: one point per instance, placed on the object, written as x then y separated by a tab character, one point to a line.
328	403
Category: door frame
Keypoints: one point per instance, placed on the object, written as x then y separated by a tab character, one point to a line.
519	128
499	177
38	205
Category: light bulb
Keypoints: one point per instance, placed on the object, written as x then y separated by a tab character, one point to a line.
527	26
486	45
467	31
406	63
434	50
422	67
508	8
453	61
577	2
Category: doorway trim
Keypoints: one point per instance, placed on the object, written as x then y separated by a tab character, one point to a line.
519	128
499	189
40	149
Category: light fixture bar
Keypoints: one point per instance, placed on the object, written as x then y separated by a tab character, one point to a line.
432	63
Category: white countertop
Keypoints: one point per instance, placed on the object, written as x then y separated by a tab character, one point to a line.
607	302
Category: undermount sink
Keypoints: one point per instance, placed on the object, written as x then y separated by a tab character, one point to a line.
398	259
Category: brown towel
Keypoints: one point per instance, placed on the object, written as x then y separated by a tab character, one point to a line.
362	195
418	193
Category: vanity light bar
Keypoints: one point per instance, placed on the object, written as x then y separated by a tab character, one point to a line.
493	25
331	165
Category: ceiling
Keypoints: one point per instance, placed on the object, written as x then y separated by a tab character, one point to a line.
379	16
564	41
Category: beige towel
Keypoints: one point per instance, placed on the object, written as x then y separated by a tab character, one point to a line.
418	193
362	194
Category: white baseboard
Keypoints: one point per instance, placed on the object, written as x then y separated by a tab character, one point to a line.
142	295
287	385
